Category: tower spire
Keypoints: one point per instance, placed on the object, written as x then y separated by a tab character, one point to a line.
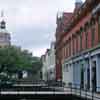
2	13
5	36
2	23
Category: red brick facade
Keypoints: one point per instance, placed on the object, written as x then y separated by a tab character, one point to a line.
82	32
60	52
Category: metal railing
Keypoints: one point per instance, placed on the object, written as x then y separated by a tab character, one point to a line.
72	89
76	89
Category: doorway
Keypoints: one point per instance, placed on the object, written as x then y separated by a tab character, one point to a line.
88	76
82	77
94	83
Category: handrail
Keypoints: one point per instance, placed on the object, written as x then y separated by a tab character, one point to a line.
74	88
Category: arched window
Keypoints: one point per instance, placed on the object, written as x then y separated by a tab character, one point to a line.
81	31
92	32
77	41
70	46
99	28
73	44
86	27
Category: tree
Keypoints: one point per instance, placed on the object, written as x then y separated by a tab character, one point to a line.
14	59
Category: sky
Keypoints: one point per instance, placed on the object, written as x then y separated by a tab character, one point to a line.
32	23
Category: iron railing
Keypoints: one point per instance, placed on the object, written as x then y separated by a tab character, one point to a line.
72	89
76	89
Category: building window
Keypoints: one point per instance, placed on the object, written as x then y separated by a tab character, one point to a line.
76	43
93	36
80	41
99	29
66	68
81	30
66	50
73	44
87	25
82	76
70	47
92	31
63	53
86	36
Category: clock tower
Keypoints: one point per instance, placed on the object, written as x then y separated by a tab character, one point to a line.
5	39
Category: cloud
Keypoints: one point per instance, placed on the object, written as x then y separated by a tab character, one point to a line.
33	36
32	23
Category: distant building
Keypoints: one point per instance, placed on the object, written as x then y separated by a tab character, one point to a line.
44	68
51	62
48	69
5	39
79	46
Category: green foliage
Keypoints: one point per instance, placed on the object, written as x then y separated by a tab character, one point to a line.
13	59
36	65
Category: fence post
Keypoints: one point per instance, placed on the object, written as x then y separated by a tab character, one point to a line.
70	87
80	90
75	89
86	94
92	94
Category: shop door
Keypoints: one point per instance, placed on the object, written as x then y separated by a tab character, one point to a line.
94	76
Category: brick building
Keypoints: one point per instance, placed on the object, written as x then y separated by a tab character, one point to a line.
78	46
62	21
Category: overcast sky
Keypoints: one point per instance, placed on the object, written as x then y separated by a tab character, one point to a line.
32	23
